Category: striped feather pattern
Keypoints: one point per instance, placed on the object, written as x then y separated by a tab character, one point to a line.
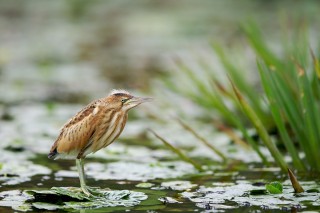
94	127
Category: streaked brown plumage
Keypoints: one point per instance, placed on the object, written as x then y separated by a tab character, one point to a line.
93	128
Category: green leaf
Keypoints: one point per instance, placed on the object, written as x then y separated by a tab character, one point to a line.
74	198
145	185
279	119
263	133
274	187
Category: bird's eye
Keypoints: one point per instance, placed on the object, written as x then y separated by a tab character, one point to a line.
124	100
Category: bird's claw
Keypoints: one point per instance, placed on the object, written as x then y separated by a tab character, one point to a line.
87	191
94	191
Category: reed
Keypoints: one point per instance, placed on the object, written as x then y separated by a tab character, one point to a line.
285	107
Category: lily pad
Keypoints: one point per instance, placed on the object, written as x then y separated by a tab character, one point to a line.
274	187
17	172
178	185
69	198
166	200
135	171
47	206
74	198
145	185
240	194
15	199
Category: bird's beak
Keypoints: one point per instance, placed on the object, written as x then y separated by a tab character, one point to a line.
135	101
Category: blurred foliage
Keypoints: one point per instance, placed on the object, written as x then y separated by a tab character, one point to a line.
287	109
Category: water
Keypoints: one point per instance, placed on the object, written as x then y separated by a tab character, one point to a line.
224	190
50	68
136	158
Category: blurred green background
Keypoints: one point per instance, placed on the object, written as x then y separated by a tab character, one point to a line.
77	50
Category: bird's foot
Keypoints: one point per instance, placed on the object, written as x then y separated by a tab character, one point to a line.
94	191
91	191
86	191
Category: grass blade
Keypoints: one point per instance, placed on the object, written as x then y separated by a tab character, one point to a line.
237	76
230	133
177	151
260	129
291	108
257	42
279	120
316	64
203	140
311	117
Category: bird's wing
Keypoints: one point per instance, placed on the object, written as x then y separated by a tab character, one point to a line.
77	132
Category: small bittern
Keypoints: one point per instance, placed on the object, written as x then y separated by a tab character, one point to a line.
93	128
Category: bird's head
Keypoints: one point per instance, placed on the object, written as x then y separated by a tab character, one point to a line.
125	100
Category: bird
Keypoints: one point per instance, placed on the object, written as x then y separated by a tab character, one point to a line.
94	127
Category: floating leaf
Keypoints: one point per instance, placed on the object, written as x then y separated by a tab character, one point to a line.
166	200
258	192
240	193
274	187
47	206
136	171
17	172
71	192
178	185
15	199
145	185
74	198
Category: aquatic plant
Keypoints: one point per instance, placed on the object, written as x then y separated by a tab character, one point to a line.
274	187
284	107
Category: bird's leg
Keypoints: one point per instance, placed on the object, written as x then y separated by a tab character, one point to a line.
82	177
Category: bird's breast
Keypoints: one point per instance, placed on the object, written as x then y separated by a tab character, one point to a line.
109	130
